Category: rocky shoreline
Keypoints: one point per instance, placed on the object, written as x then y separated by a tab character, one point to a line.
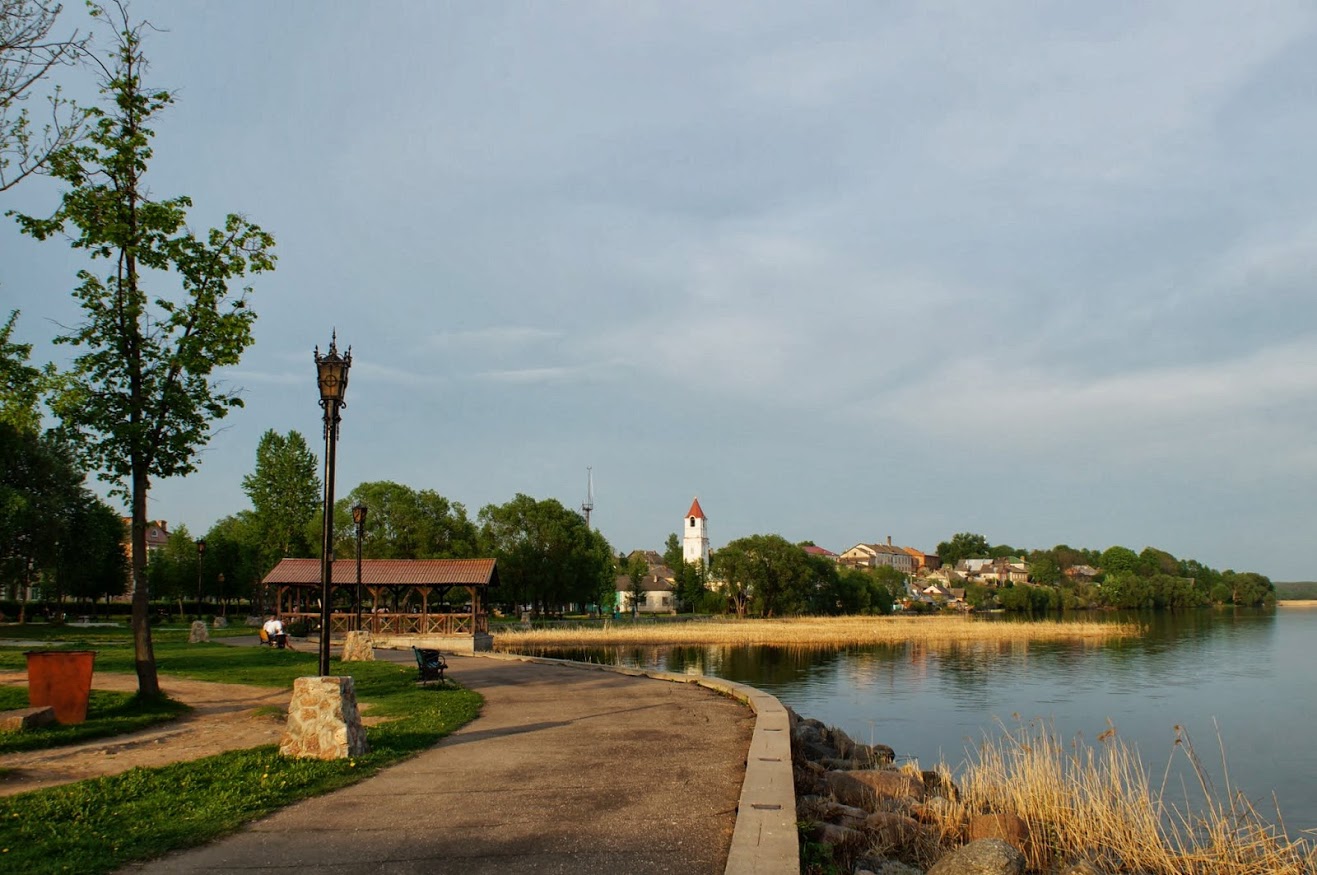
862	815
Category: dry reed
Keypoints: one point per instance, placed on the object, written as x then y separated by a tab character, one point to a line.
814	632
1098	803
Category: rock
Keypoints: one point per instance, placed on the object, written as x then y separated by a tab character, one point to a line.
26	718
1008	827
934	809
837	836
865	787
891	831
834	812
1082	867
883	866
220	622
358	647
199	634
940	784
983	857
323	720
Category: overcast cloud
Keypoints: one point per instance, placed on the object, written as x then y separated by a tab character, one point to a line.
842	270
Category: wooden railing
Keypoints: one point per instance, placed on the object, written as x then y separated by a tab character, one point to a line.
398	624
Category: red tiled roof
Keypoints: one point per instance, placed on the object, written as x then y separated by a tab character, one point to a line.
696	511
818	551
417	572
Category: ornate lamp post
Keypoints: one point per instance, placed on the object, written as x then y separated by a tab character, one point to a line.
359	517
333	378
201	552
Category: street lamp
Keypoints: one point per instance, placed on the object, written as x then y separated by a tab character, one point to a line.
201	552
332	372
359	517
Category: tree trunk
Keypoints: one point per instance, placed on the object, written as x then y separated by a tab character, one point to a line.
148	683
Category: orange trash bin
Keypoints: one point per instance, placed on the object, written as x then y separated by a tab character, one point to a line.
62	680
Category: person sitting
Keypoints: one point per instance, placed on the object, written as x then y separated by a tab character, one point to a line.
274	632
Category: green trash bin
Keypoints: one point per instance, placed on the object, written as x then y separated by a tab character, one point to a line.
62	680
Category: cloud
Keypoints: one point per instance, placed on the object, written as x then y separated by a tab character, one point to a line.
497	337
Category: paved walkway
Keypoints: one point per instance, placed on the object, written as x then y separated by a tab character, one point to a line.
566	770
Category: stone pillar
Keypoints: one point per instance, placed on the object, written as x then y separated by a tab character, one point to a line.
358	647
221	622
323	721
200	634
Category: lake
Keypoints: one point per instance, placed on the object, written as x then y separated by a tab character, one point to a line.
1241	681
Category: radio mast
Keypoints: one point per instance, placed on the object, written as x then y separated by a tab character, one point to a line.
588	504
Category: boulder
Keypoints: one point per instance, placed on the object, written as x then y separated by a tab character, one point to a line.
26	718
983	857
199	634
1081	867
1008	827
890	830
220	623
866	787
839	837
877	865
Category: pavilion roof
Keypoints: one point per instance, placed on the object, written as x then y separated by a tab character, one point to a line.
386	572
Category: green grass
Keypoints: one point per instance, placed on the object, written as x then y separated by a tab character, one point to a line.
103	824
108	713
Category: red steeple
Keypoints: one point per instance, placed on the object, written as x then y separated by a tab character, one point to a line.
696	511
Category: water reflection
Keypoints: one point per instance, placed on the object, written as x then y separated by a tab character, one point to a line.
1242	673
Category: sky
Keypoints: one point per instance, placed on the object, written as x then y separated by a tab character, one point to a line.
844	271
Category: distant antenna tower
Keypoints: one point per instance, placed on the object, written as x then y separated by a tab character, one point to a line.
588	505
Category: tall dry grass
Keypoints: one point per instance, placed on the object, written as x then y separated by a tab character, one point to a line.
1097	802
815	632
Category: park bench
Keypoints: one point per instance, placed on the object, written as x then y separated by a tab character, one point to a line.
267	640
430	663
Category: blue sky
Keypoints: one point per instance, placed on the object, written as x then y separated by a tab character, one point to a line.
843	271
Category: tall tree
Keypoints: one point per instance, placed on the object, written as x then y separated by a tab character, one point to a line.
29	52
404	523
766	573
547	555
139	400
636	569
284	490
20	382
963	545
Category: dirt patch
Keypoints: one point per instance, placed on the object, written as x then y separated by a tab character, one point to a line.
223	718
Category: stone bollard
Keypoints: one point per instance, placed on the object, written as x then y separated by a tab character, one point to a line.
358	647
221	622
323	721
199	635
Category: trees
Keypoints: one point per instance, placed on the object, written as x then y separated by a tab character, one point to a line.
20	383
963	545
547	556
139	399
765	573
28	54
689	578
404	523
635	570
284	490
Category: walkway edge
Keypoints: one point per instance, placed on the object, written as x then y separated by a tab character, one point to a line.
764	841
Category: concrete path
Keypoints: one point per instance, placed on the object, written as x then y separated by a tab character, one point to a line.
566	770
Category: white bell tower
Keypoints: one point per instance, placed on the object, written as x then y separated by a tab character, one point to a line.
695	537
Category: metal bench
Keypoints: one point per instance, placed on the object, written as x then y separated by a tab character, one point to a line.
430	664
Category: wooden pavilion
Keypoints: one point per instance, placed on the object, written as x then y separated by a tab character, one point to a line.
426	602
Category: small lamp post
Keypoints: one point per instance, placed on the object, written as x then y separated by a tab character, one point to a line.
359	517
332	372
201	553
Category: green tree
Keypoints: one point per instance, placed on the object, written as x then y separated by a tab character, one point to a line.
767	574
234	550
28	55
172	571
139	400
90	562
404	523
963	545
547	555
635	569
40	484
20	382
284	490
1043	568
691	579
1117	560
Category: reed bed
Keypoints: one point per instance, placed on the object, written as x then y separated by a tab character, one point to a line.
814	632
1097	802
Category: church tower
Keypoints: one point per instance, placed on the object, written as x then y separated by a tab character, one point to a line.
695	540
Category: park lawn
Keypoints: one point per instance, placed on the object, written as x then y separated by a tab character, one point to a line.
101	825
108	713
